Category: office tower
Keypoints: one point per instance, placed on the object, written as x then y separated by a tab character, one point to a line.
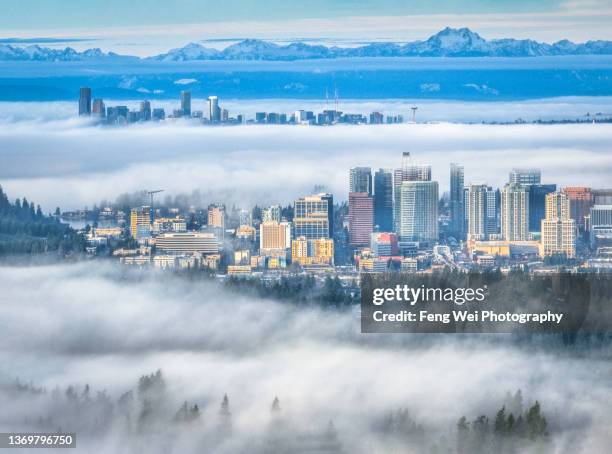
492	215
408	172
187	242
274	235
245	217
85	101
477	209
600	226
580	200
140	221
537	203
360	180
186	103
602	196
558	228
457	210
383	200
418	213
314	216
214	111
98	108
361	218
376	118
384	244
271	213
159	114
216	216
515	212
145	110
525	176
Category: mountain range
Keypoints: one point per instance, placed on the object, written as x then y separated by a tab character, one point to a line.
449	42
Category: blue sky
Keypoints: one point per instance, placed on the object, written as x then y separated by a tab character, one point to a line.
146	27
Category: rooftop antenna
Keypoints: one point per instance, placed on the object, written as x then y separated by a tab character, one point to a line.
151	193
414	109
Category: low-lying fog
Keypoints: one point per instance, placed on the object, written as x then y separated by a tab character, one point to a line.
72	164
82	324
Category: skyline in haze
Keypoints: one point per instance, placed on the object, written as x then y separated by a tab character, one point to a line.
145	29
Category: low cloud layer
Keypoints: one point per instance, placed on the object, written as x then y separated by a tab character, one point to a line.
81	324
68	163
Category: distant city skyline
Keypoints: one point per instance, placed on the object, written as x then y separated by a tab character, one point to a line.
154	26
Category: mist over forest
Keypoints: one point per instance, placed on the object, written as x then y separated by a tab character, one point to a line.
82	349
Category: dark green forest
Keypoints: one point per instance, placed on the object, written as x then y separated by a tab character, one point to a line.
25	229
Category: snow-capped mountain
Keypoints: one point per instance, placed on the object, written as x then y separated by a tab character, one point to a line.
449	42
38	53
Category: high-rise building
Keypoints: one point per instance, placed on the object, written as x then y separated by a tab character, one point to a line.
140	221
457	210
477	212
537	203
361	218
158	114
580	200
383	200
216	216
558	228
418	213
85	101
274	235
515	212
145	110
186	103
214	111
314	216
602	196
98	108
360	180
408	172
525	176
600	226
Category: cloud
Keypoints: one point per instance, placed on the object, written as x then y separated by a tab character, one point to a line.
71	163
97	325
185	81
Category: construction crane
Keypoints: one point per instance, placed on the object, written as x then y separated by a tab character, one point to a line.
151	193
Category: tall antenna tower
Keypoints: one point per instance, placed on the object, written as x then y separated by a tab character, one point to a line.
414	109
335	98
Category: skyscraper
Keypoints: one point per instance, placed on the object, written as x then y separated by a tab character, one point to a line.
361	218
214	111
85	101
140	221
271	213
537	203
360	180
186	103
383	200
418	213
525	176
482	203
274	236
408	172
558	228
314	217
216	216
98	108
515	212
457	209
580	200
145	110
